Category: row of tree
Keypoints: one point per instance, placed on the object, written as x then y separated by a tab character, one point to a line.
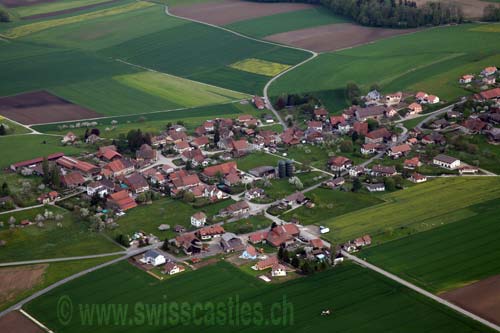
392	13
491	13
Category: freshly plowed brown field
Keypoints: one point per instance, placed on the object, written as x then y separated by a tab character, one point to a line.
229	11
19	3
14	280
42	107
16	322
334	37
481	298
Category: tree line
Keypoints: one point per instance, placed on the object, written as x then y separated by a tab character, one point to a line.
391	13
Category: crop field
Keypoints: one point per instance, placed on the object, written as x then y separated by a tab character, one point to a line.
30	243
57	6
447	257
283	22
261	67
416	209
16	149
379	302
154	122
165	211
31	28
427	60
181	92
330	204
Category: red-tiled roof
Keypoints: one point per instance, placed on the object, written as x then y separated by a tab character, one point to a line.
224	169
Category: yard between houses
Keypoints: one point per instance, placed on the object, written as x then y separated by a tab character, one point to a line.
330	204
319	155
246	225
73	238
380	303
428	60
257	159
147	218
281	188
447	257
20	148
20	282
416	209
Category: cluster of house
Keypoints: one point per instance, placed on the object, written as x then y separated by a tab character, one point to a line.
487	77
358	243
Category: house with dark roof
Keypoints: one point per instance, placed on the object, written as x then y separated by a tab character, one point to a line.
236	209
146	153
137	183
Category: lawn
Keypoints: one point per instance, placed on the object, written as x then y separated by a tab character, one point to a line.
427	60
411	123
416	209
446	257
329	205
147	218
246	225
53	7
20	148
278	23
280	188
319	155
30	243
380	305
54	272
155	122
261	67
257	159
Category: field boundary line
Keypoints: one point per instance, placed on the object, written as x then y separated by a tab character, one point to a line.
130	115
43	261
175	76
39	324
421	291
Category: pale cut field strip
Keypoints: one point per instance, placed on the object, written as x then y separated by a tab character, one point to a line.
258	66
32	28
50	7
487	28
182	92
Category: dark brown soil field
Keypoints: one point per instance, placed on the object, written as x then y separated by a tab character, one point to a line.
42	107
229	11
16	322
15	280
334	37
481	298
67	11
19	3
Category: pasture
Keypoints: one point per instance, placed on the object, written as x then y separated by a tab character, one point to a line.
447	257
20	148
284	22
416	209
57	7
330	204
72	238
428	60
379	303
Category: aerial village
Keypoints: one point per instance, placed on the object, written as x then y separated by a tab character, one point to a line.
219	164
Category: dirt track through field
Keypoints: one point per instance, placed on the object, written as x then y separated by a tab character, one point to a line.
334	37
42	107
481	298
229	11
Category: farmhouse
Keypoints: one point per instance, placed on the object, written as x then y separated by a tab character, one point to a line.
339	163
414	108
266	263
154	258
371	112
492	94
378	136
137	183
383	170
198	219
121	200
172	268
379	187
119	167
257	237
72	179
417	178
474	125
398	151
74	164
446	162
282	235
35	161
108	153
146	153
466	78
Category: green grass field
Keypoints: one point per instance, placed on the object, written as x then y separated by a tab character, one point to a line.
53	272
361	300
329	205
52	7
12	128
244	226
165	211
257	159
416	209
51	241
20	148
278	23
429	60
446	257
155	122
